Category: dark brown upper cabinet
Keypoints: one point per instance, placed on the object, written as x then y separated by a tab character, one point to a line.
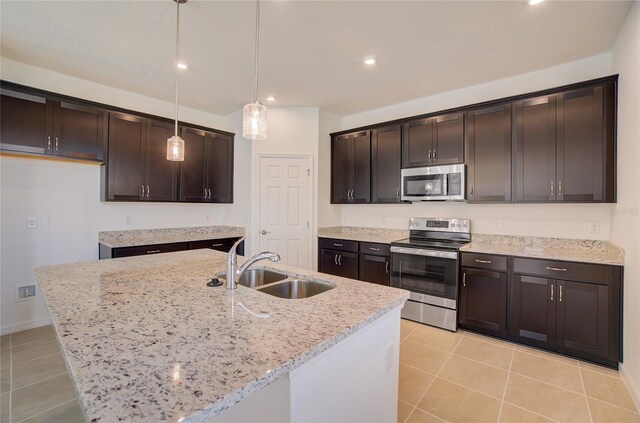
206	175
385	164
34	123
489	154
351	168
565	145
137	166
433	141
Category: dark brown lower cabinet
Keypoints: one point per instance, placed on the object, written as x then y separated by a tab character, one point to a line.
221	244
340	263
374	269
148	249
365	261
533	310
483	301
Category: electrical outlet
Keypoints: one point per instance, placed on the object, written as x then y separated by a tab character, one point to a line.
43	222
25	292
388	357
128	220
595	228
503	225
32	222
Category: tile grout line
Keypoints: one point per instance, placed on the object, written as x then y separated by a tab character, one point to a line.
47	410
550	384
506	384
43	380
612	405
584	390
37	358
34	340
532	412
599	372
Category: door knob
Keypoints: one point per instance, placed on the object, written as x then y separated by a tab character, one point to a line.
263	232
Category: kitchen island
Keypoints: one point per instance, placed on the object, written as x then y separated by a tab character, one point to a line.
145	339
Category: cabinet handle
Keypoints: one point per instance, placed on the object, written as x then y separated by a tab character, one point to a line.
340	259
204	193
337	245
434	154
386	267
551	292
429	155
398	193
142	191
471	190
464	279
557	269
148	191
49	143
153	251
335	259
216	245
56	144
374	249
560	298
483	261
552	188
560	188
209	189
352	194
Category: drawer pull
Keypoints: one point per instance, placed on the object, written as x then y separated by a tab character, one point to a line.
374	249
337	245
560	299
335	259
339	259
557	269
153	251
483	261
216	245
464	279
386	268
551	292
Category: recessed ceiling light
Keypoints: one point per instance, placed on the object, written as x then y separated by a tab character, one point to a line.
369	61
182	65
271	98
534	2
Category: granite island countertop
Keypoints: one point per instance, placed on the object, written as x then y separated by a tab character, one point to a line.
580	250
144	338
136	237
383	236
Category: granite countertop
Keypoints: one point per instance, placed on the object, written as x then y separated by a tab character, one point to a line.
384	236
581	250
144	338
118	239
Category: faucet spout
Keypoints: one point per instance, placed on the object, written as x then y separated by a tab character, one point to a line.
234	272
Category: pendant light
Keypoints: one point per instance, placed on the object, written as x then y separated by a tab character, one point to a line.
254	114
175	144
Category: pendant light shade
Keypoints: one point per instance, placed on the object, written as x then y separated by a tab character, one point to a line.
175	144
254	121
254	114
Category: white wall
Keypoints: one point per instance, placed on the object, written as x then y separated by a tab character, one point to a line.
625	225
69	194
563	220
328	214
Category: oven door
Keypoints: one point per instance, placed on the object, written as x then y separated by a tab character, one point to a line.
430	275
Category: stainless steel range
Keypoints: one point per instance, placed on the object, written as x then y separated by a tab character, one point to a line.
426	264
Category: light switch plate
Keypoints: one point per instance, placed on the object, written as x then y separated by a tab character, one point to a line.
43	222
32	222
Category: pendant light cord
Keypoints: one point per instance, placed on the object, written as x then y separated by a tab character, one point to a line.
255	85
177	58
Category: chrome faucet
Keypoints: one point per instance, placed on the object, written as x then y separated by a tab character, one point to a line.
234	272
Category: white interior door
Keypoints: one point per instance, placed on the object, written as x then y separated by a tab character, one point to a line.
285	209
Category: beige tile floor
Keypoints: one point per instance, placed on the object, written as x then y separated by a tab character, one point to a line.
465	377
34	383
444	376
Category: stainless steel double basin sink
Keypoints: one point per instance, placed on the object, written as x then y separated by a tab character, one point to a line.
281	285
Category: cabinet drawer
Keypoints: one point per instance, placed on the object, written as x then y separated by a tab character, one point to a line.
485	261
149	249
339	244
374	248
583	272
220	244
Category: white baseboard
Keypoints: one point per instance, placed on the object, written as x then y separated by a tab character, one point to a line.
631	387
17	327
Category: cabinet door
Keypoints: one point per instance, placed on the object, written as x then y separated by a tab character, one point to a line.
361	189
161	174
580	145
219	154
417	143
483	301
535	150
330	262
348	263
25	122
149	249
583	319
192	169
127	135
385	164
533	310
341	168
448	139
489	154
374	269
79	130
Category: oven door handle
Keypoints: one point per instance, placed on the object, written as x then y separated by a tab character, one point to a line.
426	253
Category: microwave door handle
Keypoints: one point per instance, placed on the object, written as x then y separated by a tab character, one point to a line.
425	253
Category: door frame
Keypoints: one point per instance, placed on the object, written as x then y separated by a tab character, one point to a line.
312	214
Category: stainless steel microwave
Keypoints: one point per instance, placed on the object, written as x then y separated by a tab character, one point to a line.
433	183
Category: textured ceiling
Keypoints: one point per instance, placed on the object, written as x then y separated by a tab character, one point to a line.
311	51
